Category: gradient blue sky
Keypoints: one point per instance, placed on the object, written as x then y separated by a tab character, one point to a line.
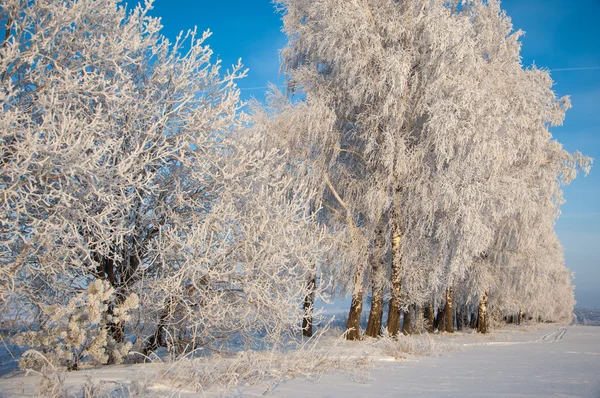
561	35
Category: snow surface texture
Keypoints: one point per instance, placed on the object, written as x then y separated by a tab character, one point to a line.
551	361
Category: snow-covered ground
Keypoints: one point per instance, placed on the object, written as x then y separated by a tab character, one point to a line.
549	361
563	362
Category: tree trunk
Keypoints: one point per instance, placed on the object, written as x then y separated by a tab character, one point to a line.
309	300
449	313
393	324
465	317
460	318
439	319
520	319
482	315
353	325
309	303
473	324
156	340
116	330
378	269
429	318
376	315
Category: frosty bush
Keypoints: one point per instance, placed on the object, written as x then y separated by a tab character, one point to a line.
69	334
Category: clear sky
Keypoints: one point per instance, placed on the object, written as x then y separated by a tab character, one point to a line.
561	35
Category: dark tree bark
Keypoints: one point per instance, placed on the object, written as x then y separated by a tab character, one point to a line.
375	315
309	303
353	324
419	320
439	319
465	317
309	300
429	318
157	340
473	323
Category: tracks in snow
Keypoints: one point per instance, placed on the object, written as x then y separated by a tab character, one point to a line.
552	337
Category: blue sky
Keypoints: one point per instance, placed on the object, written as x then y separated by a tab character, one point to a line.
561	35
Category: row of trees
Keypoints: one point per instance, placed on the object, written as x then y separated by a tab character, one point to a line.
142	208
429	145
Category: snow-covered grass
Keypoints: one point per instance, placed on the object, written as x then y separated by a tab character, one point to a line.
406	347
541	360
326	352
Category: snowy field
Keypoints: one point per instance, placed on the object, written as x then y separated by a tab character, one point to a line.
562	362
550	361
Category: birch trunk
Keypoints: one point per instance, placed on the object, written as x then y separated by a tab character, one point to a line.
393	325
449	313
353	324
482	315
376	314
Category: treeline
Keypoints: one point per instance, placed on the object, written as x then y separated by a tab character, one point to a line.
429	147
410	160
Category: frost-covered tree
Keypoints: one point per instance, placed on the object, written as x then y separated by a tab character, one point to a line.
338	58
305	130
123	161
477	148
526	257
439	131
